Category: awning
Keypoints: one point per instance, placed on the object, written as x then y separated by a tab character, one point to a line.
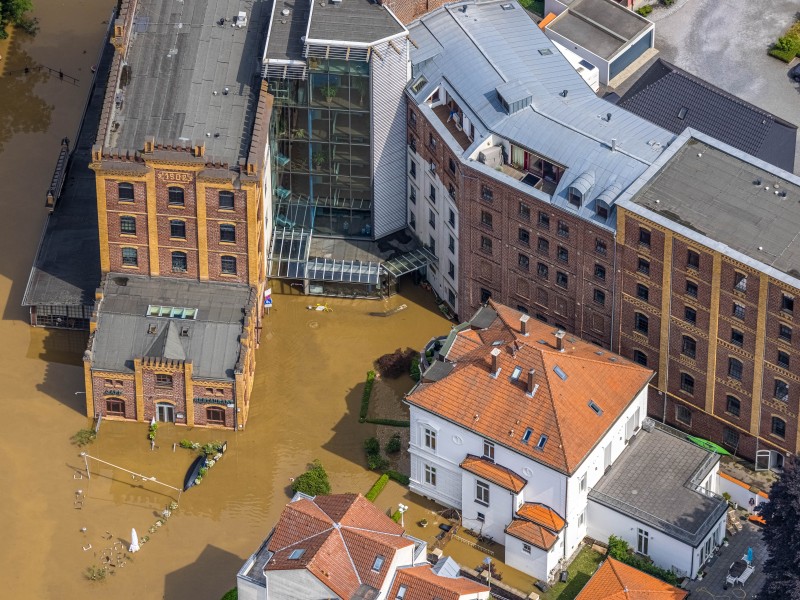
353	271
406	263
289	254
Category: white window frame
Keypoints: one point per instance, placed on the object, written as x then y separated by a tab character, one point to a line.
643	541
482	492
488	450
429	438
430	475
582	483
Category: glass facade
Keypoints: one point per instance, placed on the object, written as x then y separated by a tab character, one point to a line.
321	155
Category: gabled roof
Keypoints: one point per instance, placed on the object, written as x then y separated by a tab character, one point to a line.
541	514
532	533
486	469
617	581
340	537
675	99
421	583
563	425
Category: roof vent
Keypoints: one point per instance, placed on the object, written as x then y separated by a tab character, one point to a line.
151	329
514	96
757	181
564	93
286	12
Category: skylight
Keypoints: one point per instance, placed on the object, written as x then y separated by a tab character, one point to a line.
560	372
379	560
516	373
542	442
174	312
497	343
682	112
545	51
507	6
418	84
527	435
598	411
296	554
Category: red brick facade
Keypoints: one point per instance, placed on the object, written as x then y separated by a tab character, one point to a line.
408	10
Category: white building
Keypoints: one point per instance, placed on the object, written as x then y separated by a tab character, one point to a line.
513	427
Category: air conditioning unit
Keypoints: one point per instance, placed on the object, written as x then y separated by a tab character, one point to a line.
648	425
492	157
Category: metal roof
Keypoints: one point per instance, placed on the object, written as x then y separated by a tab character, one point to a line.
357	21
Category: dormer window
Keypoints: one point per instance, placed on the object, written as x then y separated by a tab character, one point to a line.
601	208
575	197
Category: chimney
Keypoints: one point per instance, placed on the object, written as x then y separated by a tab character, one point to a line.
560	340
613	144
523	324
531	375
495	368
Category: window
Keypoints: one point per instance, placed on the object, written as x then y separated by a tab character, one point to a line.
642	292
228	265
601	210
485	295
127	225
413	169
737	337
582	518
125	192
641	323
562	280
296	553
430	439
691	289
600	297
526	548
179	262
735	368
692	260
563	229
562	254
486	244
432	193
451	297
451	218
690	315
643	542
784	332
689	347
227	232
542	270
787	303
431	218
644	266
378	564
226	200
575	197
412	220
163	380
738	310
177	229
600	247
481	517
130	257
640	358
486	218
543	246
582	483
523	262
431	141
732	405
115	407
778	427
781	390
687	383
487	193
430	475
783	359
524	236
600	272
451	164
730	437
482	493
488	450
175	196
451	244
524	211
644	237
451	269
740	282
215	415
432	246
412	195
412	116
544	220
683	414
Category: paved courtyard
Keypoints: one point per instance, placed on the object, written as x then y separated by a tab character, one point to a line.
713	584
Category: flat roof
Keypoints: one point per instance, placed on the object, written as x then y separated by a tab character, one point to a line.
180	55
669	502
286	31
359	21
600	26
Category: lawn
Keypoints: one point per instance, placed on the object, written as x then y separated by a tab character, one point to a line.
788	46
580	571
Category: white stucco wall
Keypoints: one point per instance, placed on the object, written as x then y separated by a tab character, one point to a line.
740	495
538	563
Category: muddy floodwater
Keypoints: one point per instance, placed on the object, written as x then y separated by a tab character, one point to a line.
311	368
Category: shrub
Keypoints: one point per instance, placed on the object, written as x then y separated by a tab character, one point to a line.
619	549
399	477
231	595
185	443
393	445
377	488
644	10
314	481
83	437
416	374
211	448
667	2
389	422
372	446
375	462
203	471
396	364
365	396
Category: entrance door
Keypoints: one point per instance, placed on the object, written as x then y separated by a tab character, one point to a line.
165	413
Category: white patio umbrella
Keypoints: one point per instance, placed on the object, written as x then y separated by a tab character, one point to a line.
134	547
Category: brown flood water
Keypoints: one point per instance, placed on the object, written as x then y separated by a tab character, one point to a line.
310	376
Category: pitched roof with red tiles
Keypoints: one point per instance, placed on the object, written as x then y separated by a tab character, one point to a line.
617	581
486	469
341	535
531	533
541	514
423	584
498	407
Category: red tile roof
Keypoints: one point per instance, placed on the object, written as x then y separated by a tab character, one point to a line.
486	469
499	408
531	533
541	514
340	535
617	581
423	584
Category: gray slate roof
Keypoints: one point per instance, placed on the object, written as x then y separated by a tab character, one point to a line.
664	91
360	21
179	55
667	502
212	343
474	52
707	190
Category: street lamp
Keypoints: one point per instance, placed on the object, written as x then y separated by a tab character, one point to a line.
401	508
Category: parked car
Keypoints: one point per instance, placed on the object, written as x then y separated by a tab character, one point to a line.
794	72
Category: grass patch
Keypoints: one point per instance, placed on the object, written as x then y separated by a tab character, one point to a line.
580	571
788	45
376	489
362	417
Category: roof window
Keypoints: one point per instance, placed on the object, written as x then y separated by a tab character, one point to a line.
507	6
527	435
379	560
560	372
682	112
593	405
174	312
542	442
516	373
545	51
296	554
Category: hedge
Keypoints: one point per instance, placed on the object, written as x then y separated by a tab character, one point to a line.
377	488
365	396
619	549
231	594
398	477
389	422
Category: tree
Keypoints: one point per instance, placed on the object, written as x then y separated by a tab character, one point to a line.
314	481
782	537
15	12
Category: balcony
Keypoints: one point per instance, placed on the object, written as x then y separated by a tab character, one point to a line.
536	182
453	126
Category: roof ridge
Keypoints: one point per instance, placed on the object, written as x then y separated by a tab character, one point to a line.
305	539
349	556
358	529
557	420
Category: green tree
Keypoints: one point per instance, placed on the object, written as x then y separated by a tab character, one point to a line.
15	12
314	481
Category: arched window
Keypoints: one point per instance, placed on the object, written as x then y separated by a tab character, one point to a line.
177	229
115	407
640	358
215	415
689	347
781	390
176	196
125	192
575	197
735	368
641	323
127	225
226	200
778	427
228	265
179	262
601	208
687	383
130	257
732	405
227	232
